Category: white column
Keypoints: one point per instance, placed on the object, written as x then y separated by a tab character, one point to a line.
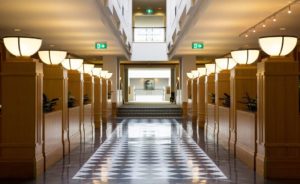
188	63
111	64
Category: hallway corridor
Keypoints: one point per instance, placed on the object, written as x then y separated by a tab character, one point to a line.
149	151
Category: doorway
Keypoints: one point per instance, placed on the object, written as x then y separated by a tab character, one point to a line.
150	85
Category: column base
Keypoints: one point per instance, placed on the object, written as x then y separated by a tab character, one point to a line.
22	169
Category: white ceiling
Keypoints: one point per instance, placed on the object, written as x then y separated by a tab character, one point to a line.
220	23
72	25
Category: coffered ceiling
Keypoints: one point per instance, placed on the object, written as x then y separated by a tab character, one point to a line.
218	25
72	25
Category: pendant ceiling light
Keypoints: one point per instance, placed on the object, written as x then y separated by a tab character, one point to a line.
72	64
97	72
202	71
278	45
190	75
52	57
22	46
86	68
245	57
225	63
103	73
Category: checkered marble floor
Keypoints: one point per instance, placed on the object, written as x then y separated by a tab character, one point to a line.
152	149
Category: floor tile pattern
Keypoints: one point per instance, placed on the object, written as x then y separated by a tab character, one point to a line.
149	148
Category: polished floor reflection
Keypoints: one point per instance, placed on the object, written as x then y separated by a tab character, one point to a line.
152	150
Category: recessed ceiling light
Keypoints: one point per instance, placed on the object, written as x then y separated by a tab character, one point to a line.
17	30
52	45
282	29
246	36
274	19
264	25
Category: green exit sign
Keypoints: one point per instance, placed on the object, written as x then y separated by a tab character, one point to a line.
197	45
149	11
101	45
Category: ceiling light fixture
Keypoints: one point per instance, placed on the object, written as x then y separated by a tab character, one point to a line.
225	63
195	73
52	57
72	64
190	75
86	68
97	72
245	57
103	73
202	71
211	68
272	17
108	75
278	45
22	46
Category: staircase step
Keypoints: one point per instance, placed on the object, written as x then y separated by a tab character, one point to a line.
149	112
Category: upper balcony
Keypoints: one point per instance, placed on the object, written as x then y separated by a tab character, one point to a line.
149	34
149	44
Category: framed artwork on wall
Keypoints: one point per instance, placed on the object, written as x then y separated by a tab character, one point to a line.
149	84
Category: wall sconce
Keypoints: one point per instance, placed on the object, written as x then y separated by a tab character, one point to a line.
72	64
225	63
278	45
245	57
52	57
22	46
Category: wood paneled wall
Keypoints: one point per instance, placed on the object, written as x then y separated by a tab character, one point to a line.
22	120
222	85
201	101
210	121
194	99
89	108
278	128
243	81
75	87
246	137
97	102
56	141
